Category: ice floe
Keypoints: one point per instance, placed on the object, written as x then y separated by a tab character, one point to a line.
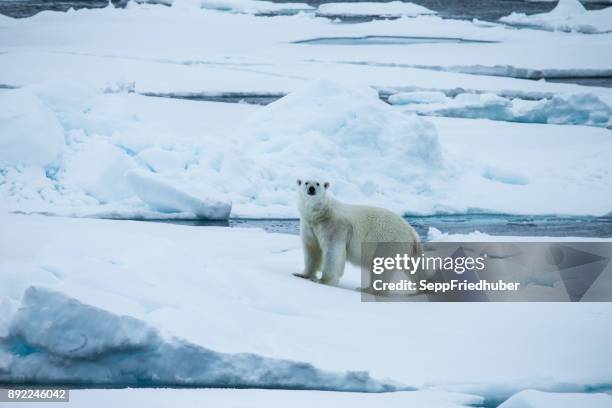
255	6
568	15
371	9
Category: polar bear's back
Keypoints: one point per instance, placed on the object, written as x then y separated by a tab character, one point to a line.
374	224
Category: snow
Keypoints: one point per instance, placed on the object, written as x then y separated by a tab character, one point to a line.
136	288
537	399
30	134
165	196
361	9
568	15
574	109
85	300
252	398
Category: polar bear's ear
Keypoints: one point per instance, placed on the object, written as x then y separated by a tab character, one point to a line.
326	185
299	182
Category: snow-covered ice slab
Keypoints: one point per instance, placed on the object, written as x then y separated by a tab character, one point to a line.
371	9
170	195
568	15
537	399
213	287
251	398
54	339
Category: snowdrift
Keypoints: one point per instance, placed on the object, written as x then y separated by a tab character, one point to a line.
568	15
352	119
54	339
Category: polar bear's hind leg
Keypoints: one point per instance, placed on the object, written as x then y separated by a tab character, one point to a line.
334	259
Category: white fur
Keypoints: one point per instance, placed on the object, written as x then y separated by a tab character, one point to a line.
332	231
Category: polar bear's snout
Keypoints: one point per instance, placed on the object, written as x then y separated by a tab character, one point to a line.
312	188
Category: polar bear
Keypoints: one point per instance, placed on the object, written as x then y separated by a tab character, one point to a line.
332	231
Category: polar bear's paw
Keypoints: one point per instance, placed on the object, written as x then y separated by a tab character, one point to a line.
329	281
367	290
304	276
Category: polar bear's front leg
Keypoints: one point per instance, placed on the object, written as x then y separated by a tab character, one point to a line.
334	259
312	253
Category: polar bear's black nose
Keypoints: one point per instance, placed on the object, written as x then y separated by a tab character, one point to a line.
311	190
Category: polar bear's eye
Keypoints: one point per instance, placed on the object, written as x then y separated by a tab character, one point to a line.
317	184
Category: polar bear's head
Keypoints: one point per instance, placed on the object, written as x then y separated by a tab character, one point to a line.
312	189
